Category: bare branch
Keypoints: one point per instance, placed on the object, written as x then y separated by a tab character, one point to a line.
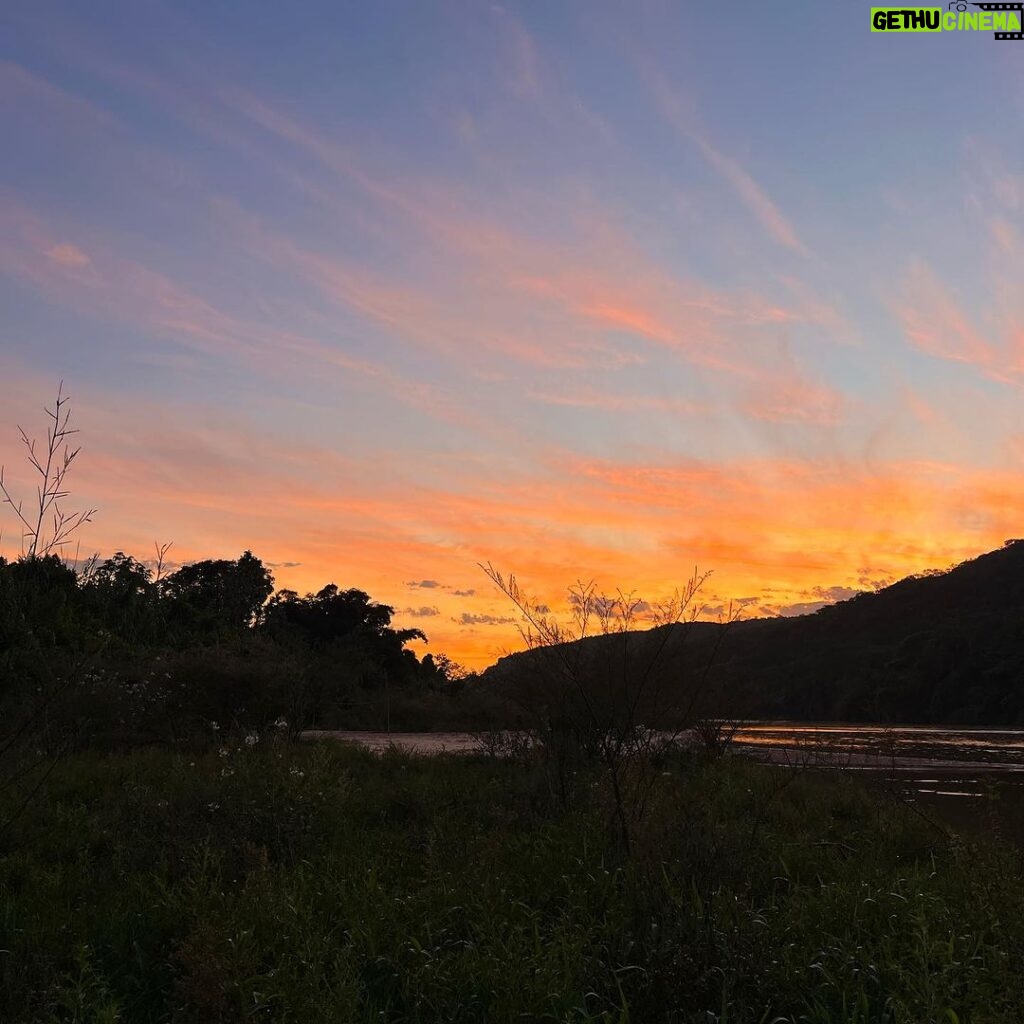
161	555
52	468
626	721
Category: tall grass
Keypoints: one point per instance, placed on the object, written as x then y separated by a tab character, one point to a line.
320	883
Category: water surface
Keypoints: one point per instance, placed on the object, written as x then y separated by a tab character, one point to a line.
971	776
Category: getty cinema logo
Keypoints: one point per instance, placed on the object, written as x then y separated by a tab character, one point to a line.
1004	20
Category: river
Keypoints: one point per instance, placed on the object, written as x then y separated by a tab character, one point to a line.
971	776
962	760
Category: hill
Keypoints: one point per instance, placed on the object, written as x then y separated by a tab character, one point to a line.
939	647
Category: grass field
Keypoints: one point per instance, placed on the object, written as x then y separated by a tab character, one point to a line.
319	883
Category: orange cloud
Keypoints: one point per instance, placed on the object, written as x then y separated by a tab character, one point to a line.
771	529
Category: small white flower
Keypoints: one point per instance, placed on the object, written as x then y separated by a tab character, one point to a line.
252	739
281	723
214	726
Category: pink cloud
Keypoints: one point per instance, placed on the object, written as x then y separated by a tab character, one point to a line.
107	285
67	255
935	324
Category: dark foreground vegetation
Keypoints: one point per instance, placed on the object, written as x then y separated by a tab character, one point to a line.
116	654
315	883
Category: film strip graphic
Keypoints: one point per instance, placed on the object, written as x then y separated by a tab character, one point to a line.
1018	7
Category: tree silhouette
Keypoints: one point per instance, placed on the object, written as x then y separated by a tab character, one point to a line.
332	613
219	595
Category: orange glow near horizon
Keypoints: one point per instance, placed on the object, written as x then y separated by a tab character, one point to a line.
563	294
779	536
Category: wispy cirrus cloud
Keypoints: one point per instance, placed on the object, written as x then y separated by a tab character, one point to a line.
751	195
787	394
94	278
481	323
935	323
22	92
500	291
681	116
524	288
319	515
589	398
979	323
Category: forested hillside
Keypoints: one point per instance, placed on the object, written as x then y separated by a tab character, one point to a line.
939	647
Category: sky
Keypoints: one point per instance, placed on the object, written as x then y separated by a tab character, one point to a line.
384	291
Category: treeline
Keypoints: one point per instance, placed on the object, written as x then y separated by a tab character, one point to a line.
118	653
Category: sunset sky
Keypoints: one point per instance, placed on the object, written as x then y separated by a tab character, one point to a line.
385	290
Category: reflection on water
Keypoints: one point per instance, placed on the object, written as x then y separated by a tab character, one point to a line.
970	778
931	764
944	768
1005	746
948	792
414	742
